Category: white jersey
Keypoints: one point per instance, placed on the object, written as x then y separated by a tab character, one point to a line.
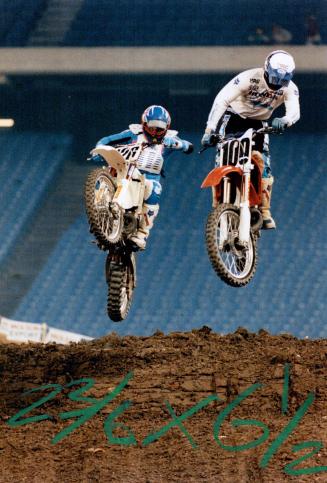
249	96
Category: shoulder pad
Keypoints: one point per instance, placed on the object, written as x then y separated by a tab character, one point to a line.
252	74
136	128
171	132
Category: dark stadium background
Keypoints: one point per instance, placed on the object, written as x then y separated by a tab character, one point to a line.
50	271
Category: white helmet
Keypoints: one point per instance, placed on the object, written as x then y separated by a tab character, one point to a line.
279	68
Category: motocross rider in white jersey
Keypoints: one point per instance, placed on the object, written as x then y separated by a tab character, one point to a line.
249	100
160	142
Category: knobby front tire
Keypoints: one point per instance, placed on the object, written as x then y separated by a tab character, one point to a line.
99	191
233	265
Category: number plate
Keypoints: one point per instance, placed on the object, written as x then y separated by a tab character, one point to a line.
130	152
236	152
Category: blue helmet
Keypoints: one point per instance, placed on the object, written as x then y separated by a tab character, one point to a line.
156	121
279	69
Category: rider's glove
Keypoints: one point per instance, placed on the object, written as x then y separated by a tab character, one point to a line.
187	147
206	139
176	143
97	158
279	124
170	143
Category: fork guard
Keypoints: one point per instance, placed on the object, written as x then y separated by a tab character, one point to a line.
215	177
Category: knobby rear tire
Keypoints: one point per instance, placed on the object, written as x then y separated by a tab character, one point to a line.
213	249
121	281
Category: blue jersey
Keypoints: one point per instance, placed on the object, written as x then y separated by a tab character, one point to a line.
153	156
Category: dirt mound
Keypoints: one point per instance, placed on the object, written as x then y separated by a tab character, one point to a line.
186	407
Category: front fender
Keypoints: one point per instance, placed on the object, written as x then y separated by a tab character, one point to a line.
113	158
217	174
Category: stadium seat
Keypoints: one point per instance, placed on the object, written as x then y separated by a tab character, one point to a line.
102	23
177	287
24	162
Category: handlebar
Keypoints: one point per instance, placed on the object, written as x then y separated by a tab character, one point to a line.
214	140
266	130
217	138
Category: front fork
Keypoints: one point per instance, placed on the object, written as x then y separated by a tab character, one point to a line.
223	235
245	215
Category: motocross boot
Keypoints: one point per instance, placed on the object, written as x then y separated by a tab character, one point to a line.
268	221
146	223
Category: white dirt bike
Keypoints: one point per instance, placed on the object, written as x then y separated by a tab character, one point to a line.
114	197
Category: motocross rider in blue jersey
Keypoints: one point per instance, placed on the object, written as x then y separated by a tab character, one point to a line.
161	142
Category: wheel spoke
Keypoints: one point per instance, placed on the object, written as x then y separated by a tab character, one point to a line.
104	192
237	263
233	263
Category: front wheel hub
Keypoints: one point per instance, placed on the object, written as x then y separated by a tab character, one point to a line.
234	261
240	246
115	210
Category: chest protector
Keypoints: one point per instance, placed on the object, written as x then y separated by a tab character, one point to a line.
151	159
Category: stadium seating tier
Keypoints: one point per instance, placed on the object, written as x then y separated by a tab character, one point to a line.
177	288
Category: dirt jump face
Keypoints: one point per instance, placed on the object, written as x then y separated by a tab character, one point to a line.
191	406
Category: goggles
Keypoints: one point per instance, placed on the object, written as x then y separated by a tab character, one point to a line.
155	131
279	77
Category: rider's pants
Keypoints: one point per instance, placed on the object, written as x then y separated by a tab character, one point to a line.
150	208
153	188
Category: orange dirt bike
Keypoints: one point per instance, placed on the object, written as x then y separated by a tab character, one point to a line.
114	197
233	226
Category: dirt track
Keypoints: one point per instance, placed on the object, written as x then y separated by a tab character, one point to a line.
181	369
